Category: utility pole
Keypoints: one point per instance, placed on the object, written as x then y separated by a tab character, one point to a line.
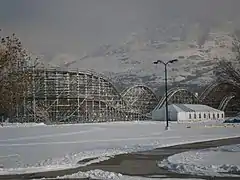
166	86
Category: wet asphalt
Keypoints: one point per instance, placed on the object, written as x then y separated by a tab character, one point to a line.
145	163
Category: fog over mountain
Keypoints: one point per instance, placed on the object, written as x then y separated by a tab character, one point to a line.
73	26
67	30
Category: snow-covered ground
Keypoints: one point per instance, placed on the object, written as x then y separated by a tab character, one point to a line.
27	149
99	174
221	161
6	124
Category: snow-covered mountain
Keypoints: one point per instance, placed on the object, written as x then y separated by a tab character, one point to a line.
132	62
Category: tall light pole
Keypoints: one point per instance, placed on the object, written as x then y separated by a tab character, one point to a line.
166	88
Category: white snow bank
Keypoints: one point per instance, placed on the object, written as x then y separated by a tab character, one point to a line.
33	169
94	174
105	175
221	161
12	125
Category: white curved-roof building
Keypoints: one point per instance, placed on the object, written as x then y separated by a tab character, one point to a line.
188	112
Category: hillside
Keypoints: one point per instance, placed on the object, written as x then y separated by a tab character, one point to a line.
196	48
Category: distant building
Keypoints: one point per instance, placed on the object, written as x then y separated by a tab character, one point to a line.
188	112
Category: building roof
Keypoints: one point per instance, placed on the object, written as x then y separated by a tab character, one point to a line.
191	108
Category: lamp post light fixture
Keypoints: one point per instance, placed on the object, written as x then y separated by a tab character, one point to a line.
166	88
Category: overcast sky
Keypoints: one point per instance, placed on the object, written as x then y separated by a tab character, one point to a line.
73	26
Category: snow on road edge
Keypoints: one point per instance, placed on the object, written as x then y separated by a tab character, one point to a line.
206	162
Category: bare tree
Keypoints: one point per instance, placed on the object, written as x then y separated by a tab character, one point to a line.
236	47
228	70
14	75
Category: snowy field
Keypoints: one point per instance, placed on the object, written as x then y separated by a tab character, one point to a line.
220	161
37	148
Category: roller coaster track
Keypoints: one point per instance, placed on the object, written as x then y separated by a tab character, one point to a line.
225	101
170	94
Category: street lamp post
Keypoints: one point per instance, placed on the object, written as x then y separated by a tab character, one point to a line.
166	88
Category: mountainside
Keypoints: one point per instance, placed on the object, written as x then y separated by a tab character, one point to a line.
196	47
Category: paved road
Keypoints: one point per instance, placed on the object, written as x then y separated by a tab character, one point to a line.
144	163
137	164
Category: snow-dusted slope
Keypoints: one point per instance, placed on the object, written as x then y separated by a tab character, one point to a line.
132	62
